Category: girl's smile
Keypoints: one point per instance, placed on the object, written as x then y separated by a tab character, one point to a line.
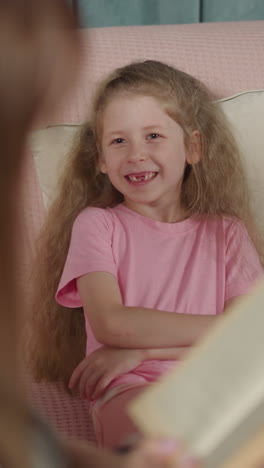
141	178
144	154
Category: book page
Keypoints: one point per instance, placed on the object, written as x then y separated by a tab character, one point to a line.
214	400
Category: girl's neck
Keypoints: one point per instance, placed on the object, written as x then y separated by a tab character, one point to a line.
165	214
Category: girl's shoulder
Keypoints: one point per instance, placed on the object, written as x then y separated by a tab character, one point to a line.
94	214
226	227
234	230
225	222
233	224
93	220
109	216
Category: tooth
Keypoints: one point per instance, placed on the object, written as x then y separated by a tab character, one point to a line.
148	176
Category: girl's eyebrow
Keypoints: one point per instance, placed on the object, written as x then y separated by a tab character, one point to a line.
114	132
149	127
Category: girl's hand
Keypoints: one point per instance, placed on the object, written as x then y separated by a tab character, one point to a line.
96	371
148	454
158	454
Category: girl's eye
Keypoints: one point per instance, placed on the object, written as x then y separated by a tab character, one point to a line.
117	141
153	136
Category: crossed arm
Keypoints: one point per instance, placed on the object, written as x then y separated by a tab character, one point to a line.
130	335
135	327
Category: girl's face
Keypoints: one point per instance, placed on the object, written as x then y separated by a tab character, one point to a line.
144	155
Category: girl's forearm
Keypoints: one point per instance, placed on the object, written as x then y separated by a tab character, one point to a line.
136	327
164	354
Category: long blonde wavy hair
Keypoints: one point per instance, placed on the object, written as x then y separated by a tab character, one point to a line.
216	185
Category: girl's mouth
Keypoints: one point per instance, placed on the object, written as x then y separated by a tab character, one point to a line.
141	177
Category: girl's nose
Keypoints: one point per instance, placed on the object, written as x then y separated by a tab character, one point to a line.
136	153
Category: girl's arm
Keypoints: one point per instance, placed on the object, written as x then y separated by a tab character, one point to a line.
135	327
97	370
164	354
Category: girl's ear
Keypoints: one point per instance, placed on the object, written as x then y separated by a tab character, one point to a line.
101	162
194	152
102	165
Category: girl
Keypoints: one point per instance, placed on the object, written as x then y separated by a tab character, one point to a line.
147	240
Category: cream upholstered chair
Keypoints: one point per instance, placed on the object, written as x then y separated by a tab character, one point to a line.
228	57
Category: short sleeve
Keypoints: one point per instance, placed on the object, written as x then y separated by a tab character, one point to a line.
243	267
90	251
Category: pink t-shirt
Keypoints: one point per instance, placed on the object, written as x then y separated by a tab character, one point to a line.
192	267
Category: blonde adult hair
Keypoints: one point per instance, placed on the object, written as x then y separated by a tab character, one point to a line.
215	186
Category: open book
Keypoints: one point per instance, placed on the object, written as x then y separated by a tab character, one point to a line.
214	400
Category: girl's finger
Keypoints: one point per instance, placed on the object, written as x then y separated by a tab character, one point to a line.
84	381
78	372
153	454
101	385
87	382
165	453
89	389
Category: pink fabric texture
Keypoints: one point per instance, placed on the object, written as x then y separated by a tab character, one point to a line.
66	414
115	435
201	264
229	57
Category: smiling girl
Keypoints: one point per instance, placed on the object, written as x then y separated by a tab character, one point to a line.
148	240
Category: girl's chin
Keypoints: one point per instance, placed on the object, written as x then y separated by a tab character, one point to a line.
139	201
